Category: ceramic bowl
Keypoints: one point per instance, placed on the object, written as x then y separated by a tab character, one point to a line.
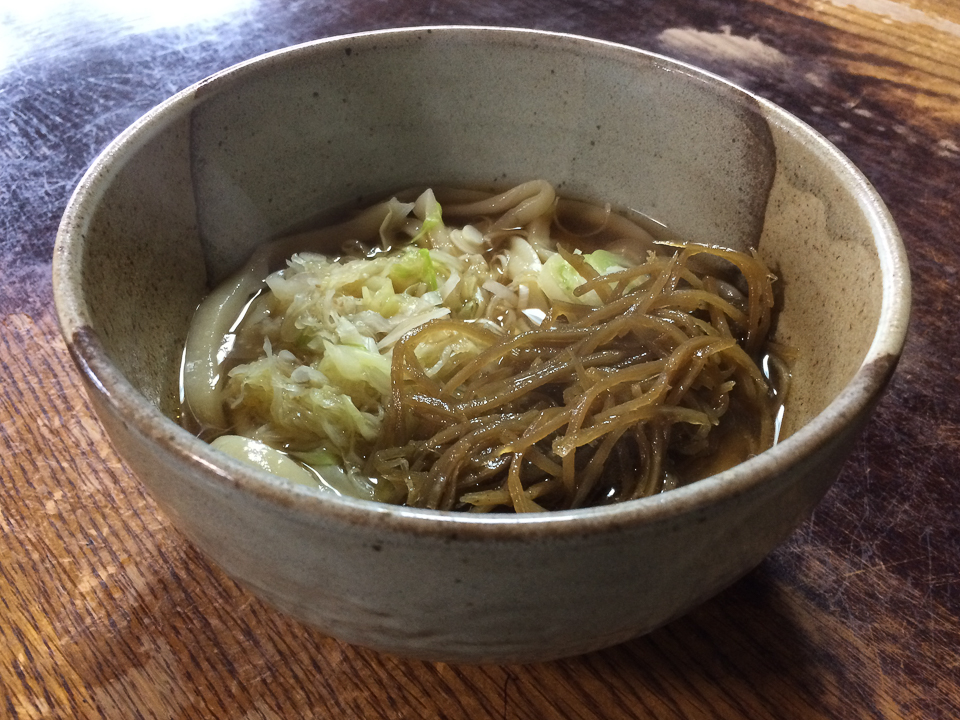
184	195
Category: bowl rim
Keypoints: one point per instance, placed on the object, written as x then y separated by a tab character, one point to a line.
143	418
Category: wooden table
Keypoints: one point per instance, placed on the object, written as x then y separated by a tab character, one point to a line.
107	612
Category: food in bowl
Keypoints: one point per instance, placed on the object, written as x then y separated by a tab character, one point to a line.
536	353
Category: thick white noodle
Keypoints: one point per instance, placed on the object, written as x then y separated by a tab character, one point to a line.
618	225
519	205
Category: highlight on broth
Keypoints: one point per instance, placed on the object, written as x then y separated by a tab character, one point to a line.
468	351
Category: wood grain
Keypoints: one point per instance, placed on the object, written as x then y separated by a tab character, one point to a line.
107	612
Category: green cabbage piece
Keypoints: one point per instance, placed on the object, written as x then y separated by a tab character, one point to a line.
605	262
558	279
348	367
305	409
413	266
433	217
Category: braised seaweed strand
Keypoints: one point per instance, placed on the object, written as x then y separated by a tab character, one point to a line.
581	419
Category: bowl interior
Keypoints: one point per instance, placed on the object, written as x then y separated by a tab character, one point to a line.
181	199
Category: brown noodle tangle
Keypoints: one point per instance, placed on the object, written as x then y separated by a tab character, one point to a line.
597	405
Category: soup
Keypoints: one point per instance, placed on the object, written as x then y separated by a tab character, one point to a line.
483	352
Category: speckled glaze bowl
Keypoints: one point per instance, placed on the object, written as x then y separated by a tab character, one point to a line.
185	194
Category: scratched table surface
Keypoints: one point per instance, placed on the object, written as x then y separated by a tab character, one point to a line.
107	612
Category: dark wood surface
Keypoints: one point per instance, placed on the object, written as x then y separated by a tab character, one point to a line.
107	612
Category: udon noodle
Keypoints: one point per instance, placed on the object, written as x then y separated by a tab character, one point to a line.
469	351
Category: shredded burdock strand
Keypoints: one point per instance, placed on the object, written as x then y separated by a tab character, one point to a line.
468	351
